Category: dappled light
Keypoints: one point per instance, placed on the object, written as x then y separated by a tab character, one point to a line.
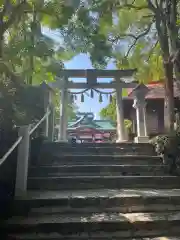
68	168
122	193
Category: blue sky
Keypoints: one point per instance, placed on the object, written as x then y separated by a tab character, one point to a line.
82	61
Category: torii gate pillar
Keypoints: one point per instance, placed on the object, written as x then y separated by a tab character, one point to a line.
63	118
121	132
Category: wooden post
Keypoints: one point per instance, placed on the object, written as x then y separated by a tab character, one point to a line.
22	162
47	123
46	96
51	124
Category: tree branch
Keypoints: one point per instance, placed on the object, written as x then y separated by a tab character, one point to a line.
132	6
149	16
116	38
16	12
136	38
4	9
151	6
152	50
157	8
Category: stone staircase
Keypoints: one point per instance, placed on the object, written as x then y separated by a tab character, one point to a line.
98	192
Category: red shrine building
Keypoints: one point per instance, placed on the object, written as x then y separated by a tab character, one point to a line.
88	129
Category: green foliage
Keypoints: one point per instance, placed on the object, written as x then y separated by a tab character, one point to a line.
99	28
128	124
28	50
32	58
134	44
151	64
113	29
28	56
168	146
20	104
163	143
109	112
56	14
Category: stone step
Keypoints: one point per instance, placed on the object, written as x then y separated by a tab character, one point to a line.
131	209
102	150
97	182
122	200
100	159
87	152
55	236
107	148
77	170
57	145
121	208
100	236
129	224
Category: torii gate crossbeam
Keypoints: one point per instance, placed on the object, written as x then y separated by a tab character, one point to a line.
64	83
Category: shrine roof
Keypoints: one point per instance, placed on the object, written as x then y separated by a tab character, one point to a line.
87	121
156	91
106	124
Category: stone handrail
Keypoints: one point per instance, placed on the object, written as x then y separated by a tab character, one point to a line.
6	155
23	144
39	123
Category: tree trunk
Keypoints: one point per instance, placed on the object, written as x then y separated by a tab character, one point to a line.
31	57
168	70
174	43
1	45
169	95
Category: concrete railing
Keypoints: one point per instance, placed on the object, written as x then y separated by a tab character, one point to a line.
23	145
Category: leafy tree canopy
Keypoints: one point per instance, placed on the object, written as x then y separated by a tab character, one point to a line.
28	56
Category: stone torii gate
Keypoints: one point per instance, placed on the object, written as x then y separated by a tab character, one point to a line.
64	83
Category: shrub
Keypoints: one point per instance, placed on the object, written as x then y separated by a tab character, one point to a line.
168	146
128	123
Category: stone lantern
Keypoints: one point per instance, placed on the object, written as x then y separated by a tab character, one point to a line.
139	93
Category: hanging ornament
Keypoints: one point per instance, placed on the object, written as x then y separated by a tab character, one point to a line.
82	97
110	98
75	97
92	93
100	98
72	98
